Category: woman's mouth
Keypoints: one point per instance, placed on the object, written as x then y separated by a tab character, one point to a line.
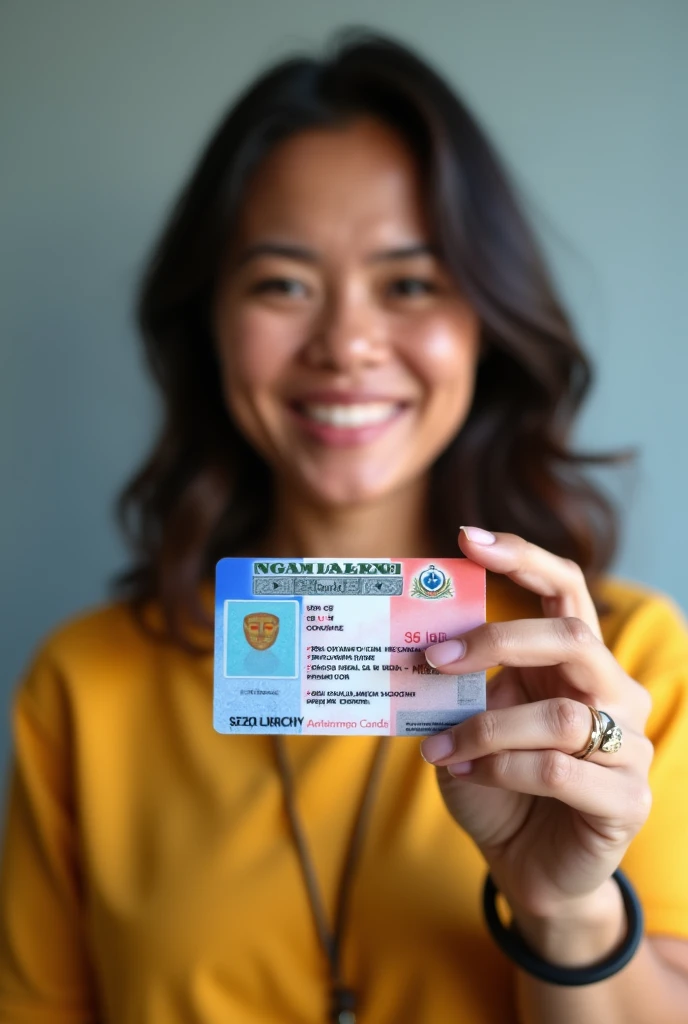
347	423
354	415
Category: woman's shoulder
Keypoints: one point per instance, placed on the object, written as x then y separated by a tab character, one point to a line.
118	631
624	597
107	631
84	655
645	628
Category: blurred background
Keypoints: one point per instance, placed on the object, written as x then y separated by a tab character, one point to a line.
103	107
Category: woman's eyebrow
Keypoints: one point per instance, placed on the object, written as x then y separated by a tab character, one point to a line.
403	252
306	255
292	252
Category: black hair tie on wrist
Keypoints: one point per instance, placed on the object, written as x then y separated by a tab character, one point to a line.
511	943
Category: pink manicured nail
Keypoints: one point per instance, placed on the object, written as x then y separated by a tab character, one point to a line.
437	747
460	768
478	536
445	653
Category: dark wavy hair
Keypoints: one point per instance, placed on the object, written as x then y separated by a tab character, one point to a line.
203	492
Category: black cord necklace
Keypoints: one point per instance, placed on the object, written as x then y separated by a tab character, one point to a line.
343	1006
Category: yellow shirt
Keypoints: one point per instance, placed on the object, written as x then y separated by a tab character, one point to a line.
149	875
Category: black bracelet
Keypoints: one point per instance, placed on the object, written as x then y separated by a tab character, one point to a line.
511	943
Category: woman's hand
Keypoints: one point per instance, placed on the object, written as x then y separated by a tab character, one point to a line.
552	827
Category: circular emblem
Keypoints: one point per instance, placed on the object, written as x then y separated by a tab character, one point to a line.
432	579
431	584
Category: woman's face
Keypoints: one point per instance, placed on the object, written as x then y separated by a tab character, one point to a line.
347	355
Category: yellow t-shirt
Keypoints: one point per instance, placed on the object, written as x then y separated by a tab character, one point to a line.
149	876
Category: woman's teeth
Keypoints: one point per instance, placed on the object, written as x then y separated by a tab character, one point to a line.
362	415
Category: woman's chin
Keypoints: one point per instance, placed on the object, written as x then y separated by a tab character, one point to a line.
339	490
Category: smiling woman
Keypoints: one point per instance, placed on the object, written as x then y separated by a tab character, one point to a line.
358	348
349	239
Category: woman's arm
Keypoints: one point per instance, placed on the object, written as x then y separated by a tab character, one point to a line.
45	973
554	823
652	989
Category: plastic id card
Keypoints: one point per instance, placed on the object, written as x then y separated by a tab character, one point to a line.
335	646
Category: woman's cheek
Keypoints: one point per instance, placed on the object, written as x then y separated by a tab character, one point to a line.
257	347
446	353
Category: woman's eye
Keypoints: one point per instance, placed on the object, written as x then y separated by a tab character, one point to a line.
286	286
412	287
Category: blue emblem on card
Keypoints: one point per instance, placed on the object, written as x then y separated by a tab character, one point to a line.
432	583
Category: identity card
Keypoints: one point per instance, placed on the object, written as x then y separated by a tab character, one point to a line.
335	646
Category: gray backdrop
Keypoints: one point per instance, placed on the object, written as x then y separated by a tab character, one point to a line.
102	109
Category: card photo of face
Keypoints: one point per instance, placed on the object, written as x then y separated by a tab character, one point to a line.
261	629
261	639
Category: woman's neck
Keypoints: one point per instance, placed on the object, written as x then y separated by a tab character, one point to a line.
396	525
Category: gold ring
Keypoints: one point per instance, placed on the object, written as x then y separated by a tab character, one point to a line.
605	735
595	737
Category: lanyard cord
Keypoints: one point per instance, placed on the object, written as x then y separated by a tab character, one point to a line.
343	999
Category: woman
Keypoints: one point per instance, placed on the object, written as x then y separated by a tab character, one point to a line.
359	349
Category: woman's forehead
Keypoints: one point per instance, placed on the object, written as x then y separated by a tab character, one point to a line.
355	185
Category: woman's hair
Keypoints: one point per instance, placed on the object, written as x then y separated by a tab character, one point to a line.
203	492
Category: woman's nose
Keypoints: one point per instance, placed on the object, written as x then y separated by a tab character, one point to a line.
346	339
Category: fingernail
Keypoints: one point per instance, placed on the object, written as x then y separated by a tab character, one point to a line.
445	653
478	536
437	747
460	768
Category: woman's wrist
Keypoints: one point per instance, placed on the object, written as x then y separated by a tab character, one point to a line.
576	934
